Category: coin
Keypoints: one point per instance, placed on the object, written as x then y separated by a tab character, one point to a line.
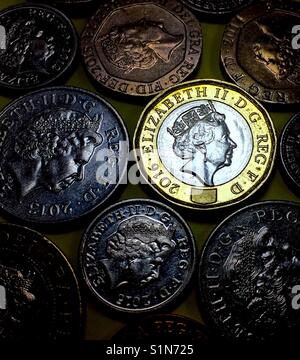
163	328
137	256
248	270
141	47
260	53
216	7
290	151
205	144
38	47
39	294
64	152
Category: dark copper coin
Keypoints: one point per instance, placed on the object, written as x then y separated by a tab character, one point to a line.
163	328
40	47
290	151
216	7
141	47
39	295
261	52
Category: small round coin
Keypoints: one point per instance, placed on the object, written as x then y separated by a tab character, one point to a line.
141	47
205	144
216	7
163	328
64	152
41	46
249	273
137	256
260	52
39	294
290	151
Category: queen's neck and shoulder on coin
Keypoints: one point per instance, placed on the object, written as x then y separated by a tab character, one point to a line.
202	137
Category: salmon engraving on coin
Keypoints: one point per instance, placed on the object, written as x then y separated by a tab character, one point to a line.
137	256
141	47
205	144
39	294
258	53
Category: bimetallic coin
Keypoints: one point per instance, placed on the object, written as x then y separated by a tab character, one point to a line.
260	53
249	269
39	295
290	151
205	144
64	151
216	7
141	47
163	328
137	256
40	47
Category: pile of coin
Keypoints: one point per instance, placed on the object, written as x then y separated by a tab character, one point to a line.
203	148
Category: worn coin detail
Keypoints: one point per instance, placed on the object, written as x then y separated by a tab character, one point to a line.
258	53
205	144
41	45
249	266
39	295
216	7
137	256
64	151
141	47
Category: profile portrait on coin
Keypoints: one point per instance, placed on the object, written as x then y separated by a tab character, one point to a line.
51	151
277	55
202	136
139	45
136	251
256	273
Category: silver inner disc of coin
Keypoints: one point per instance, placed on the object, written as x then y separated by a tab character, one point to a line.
205	143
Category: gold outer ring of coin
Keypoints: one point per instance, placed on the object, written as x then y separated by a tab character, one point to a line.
246	183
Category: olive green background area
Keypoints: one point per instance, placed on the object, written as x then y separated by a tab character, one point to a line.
98	323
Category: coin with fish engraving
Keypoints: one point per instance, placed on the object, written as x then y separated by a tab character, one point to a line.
205	144
39	47
63	153
216	7
261	53
39	294
249	271
290	152
163	328
141	47
137	256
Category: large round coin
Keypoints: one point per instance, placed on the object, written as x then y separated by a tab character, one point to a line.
137	256
290	151
39	295
38	45
260	52
216	7
205	144
64	151
250	271
141	47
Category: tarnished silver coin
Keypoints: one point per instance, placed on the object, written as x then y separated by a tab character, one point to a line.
216	7
63	153
39	295
250	274
137	256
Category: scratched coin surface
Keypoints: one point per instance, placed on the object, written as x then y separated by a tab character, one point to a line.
63	154
39	46
137	256
216	7
205	144
260	52
290	151
248	270
39	294
163	328
141	47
